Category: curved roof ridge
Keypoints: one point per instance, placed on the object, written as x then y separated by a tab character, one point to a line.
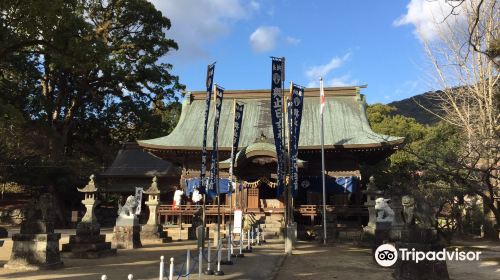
346	124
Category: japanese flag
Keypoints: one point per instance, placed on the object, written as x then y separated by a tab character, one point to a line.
321	96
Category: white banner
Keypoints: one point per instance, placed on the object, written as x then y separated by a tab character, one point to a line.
238	215
138	198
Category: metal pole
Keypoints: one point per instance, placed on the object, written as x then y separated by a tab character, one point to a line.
188	269
209	259
200	262
171	272
162	265
323	174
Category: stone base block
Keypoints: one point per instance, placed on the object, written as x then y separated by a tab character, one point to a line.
176	233
127	237
88	247
154	234
35	251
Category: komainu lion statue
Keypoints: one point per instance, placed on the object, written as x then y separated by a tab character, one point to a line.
420	213
384	212
128	209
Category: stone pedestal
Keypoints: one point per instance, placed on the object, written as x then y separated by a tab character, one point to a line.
127	237
35	251
88	243
36	246
397	224
154	234
421	240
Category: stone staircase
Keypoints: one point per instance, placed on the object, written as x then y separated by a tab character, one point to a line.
272	227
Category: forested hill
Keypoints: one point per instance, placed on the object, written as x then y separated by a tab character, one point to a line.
410	107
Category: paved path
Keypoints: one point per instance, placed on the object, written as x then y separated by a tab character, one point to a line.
309	261
342	261
143	263
339	261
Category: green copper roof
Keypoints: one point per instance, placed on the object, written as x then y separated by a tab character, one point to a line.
345	122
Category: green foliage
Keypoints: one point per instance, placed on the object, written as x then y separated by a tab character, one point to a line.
396	171
88	62
77	77
422	167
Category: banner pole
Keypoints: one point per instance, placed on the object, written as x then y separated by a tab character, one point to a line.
323	163
231	166
209	85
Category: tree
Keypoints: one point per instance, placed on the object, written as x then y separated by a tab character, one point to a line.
84	59
408	171
396	171
464	61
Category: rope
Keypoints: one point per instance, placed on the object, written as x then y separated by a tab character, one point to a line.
205	256
193	266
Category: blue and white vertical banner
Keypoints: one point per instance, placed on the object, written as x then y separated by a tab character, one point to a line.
209	84
238	120
295	115
277	74
214	175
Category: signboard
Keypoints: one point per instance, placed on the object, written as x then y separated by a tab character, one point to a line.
238	217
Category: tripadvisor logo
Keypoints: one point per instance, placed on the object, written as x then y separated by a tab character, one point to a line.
386	255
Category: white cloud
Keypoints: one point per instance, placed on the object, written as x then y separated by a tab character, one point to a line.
315	72
341	81
264	38
255	5
267	38
196	23
427	17
292	41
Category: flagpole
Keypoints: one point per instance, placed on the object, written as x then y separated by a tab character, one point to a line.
216	168
203	187
231	171
322	100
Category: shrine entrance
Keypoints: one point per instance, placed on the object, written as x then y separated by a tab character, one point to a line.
261	194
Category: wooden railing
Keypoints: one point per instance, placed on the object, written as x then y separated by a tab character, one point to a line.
167	214
342	211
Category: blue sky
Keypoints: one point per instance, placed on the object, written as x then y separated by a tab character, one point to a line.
346	42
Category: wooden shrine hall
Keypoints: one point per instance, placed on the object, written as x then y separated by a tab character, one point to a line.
349	143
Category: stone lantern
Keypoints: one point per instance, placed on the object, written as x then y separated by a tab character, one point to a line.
152	230
88	243
153	200
89	201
